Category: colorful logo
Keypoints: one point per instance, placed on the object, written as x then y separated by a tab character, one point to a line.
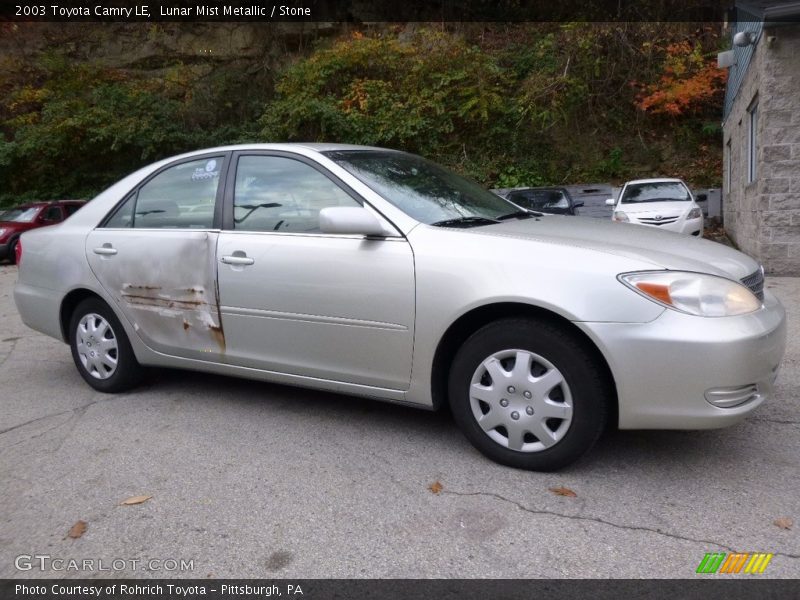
735	562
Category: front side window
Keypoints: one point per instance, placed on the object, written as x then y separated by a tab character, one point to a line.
274	193
180	197
660	191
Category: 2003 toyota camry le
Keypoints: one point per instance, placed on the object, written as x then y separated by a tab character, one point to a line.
378	273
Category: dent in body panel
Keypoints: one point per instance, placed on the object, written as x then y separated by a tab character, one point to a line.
166	285
186	306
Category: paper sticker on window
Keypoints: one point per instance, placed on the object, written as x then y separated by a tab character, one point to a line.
208	172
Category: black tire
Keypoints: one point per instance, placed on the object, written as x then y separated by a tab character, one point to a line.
128	372
588	389
12	250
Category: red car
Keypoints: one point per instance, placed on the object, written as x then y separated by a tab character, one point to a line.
30	216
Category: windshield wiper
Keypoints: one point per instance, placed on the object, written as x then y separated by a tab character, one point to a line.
465	222
655	200
251	208
520	214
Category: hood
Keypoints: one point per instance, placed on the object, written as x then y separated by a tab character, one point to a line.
663	249
663	208
16	225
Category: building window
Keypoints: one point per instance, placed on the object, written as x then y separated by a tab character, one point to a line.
728	167
752	142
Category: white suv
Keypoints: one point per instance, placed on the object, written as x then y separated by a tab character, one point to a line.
664	203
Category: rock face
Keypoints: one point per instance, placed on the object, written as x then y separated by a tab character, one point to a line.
150	46
762	204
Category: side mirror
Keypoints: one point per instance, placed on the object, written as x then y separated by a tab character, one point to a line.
702	197
577	204
350	220
611	202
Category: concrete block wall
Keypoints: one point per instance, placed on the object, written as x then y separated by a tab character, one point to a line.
763	216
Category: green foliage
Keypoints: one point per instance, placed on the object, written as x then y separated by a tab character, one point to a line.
513	176
711	128
610	167
85	126
433	94
508	105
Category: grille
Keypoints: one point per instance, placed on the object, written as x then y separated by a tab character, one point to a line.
755	281
663	221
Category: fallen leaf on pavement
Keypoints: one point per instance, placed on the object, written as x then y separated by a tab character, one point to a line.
783	523
135	500
563	491
77	530
436	487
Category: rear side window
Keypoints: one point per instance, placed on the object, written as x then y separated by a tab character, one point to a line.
123	217
540	199
180	197
71	209
52	213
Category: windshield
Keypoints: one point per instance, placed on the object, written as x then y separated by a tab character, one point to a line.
21	215
423	190
664	191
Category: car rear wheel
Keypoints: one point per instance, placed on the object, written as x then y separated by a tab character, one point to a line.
101	350
528	394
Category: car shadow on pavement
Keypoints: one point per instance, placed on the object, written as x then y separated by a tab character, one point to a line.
238	393
436	431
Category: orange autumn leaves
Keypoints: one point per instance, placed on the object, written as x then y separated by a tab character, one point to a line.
690	82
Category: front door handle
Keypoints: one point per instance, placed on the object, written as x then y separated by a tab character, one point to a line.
105	250
237	260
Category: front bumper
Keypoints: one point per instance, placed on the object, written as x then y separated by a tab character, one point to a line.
666	369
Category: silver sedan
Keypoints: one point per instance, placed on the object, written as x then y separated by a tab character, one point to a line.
378	273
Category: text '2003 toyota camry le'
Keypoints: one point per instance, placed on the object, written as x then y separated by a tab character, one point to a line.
378	273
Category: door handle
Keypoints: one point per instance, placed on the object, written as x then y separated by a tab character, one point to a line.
105	250
237	260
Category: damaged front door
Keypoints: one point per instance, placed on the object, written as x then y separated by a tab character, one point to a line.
155	257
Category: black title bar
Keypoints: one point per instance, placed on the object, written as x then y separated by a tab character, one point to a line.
364	10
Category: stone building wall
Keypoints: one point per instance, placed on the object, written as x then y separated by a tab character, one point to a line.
763	217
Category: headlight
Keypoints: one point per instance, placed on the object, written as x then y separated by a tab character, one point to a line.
2	231
695	213
621	217
694	293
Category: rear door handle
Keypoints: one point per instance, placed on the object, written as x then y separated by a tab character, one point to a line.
237	260
105	250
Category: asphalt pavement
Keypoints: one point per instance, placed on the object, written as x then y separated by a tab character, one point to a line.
247	479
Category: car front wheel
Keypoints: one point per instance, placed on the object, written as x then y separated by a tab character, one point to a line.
101	350
529	394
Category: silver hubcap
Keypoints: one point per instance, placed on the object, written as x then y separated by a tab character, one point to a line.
97	346
521	400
